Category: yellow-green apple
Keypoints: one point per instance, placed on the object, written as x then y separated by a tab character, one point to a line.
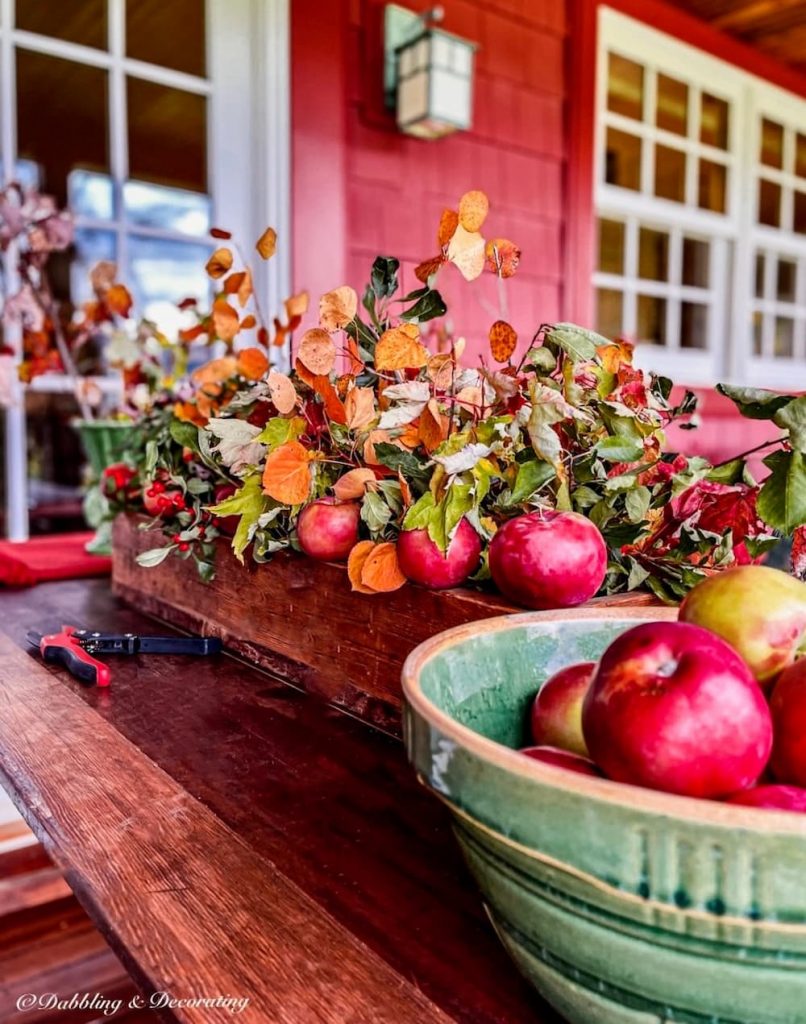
557	708
327	529
782	798
563	759
422	561
548	559
673	707
761	612
788	707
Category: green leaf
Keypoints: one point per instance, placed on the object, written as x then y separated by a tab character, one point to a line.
152	454
279	430
419	515
792	417
412	468
383	276
154	556
619	449
577	342
638	574
197	486
375	512
755	403
185	434
428	307
545	440
532	475
728	472
440	518
636	502
541	359
782	500
249	503
206	570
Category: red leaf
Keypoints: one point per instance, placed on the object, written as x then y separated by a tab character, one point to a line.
220	233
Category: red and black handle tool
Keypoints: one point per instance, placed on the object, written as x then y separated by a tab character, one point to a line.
65	649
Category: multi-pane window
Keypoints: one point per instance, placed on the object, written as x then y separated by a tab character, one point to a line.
701	199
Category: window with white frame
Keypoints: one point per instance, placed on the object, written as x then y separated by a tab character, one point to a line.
152	121
701	203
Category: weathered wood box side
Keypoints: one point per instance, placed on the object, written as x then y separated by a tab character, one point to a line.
300	619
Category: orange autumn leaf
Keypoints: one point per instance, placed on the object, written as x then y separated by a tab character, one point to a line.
287	474
282	391
118	300
433	426
220	233
338	308
317	352
263	336
502	256
245	288
354	362
380	571
410	437
355	565
405	490
426	270
374	437
219	263
234	282
248	323
282	331
296	305
216	371
360	408
503	340
440	370
399	349
188	413
473	208
466	252
354	484
323	387
448	223
252	363
613	357
191	333
225	320
266	245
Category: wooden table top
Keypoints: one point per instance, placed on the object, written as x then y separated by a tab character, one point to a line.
236	839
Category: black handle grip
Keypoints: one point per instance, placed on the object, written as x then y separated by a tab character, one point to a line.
77	662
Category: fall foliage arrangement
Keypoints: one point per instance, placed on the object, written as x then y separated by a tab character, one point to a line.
380	414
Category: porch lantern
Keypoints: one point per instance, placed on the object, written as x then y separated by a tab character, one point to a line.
433	81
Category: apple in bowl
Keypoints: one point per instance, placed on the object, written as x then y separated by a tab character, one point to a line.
556	717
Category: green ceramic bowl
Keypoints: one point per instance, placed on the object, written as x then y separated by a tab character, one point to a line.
620	904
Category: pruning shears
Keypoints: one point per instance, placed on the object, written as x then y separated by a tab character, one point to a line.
74	649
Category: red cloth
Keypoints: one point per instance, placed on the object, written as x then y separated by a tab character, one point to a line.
60	556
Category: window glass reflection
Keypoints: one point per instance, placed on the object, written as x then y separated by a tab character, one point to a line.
174	209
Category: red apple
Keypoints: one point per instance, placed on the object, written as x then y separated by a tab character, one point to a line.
327	529
785	798
788	707
563	759
422	561
557	709
226	524
674	707
548	559
761	612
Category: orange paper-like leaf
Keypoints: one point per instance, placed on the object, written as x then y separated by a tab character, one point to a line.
426	270
323	387
266	245
503	340
353	484
473	207
282	391
433	426
245	288
338	308
405	490
381	571
287	474
225	320
440	370
399	349
613	357
219	263
215	371
118	300
263	336
355	565
252	363
448	223
317	351
376	437
360	408
248	323
220	233
234	282
355	364
466	252
188	413
502	256
296	305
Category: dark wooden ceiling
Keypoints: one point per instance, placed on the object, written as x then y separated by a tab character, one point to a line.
776	27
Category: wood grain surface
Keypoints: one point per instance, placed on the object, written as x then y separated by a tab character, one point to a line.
302	621
308	814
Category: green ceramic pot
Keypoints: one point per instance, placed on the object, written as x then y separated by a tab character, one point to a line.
621	905
104	443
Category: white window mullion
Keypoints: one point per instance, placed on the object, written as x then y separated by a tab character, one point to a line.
118	128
